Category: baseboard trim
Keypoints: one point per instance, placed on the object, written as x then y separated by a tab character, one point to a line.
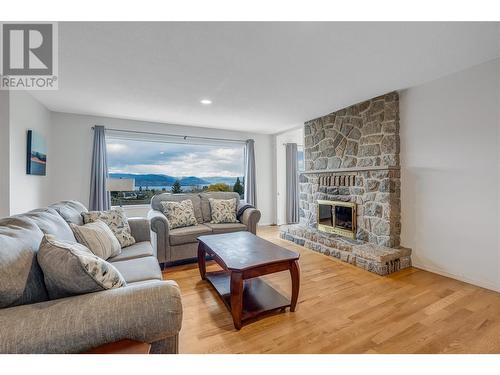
479	283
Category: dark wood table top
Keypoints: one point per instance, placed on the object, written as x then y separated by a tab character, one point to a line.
243	250
122	347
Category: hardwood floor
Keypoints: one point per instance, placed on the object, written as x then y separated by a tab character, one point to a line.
343	309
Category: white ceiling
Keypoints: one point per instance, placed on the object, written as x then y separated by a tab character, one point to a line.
261	77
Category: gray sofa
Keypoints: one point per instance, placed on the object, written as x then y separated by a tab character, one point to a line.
148	309
181	243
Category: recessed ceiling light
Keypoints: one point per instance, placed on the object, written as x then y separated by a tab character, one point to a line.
205	101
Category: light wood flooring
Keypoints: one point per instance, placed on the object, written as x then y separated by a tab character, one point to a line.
343	309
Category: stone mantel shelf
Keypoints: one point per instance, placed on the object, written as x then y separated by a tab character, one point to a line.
354	169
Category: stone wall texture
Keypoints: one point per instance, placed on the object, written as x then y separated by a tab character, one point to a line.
377	197
363	136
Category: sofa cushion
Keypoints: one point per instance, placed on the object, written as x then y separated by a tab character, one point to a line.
139	269
179	214
168	197
226	228
69	269
50	222
116	221
98	238
71	211
137	250
21	278
183	252
184	235
223	210
205	203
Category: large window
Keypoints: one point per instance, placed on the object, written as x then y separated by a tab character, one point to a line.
139	169
300	158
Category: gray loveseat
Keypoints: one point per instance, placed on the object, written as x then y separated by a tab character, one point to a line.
181	243
148	309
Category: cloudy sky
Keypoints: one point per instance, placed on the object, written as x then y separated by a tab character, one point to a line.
179	160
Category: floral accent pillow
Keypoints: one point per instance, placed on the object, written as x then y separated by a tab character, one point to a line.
223	210
116	221
179	214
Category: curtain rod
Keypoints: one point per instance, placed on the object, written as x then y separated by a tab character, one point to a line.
298	145
185	137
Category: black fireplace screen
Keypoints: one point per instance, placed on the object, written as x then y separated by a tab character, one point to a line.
325	215
343	217
336	216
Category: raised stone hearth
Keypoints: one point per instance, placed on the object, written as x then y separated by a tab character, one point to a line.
374	258
352	155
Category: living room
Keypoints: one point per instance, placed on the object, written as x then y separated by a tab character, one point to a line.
250	188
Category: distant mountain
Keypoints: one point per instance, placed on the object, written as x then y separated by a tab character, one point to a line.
160	179
193	181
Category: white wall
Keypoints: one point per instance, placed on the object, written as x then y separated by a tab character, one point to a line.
4	154
27	191
292	136
450	175
72	147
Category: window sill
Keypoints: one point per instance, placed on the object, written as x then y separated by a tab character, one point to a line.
132	206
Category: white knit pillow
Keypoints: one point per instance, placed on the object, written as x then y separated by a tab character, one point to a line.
98	238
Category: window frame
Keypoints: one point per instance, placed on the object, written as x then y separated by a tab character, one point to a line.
300	149
168	139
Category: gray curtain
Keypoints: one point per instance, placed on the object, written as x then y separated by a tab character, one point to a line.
99	196
292	185
250	193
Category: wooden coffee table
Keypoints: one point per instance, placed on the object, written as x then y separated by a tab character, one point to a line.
122	347
244	257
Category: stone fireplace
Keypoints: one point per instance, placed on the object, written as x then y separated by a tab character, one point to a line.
352	157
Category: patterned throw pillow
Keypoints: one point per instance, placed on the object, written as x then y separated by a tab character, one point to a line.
179	214
116	221
69	268
223	210
98	238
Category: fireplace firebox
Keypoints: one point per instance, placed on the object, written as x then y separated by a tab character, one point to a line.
337	217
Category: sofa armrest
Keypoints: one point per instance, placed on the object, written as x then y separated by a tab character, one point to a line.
250	218
148	312
140	228
160	235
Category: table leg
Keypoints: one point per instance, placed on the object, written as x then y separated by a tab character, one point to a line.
295	274
236	298
201	260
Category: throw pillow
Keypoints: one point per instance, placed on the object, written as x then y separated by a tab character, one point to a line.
223	210
179	214
69	268
98	238
116	221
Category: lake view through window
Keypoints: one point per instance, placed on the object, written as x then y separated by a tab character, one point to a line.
153	167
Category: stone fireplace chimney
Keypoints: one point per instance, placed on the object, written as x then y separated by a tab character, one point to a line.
352	155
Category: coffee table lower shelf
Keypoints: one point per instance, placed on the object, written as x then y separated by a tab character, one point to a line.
258	296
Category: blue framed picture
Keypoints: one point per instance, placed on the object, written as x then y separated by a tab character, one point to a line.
36	161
